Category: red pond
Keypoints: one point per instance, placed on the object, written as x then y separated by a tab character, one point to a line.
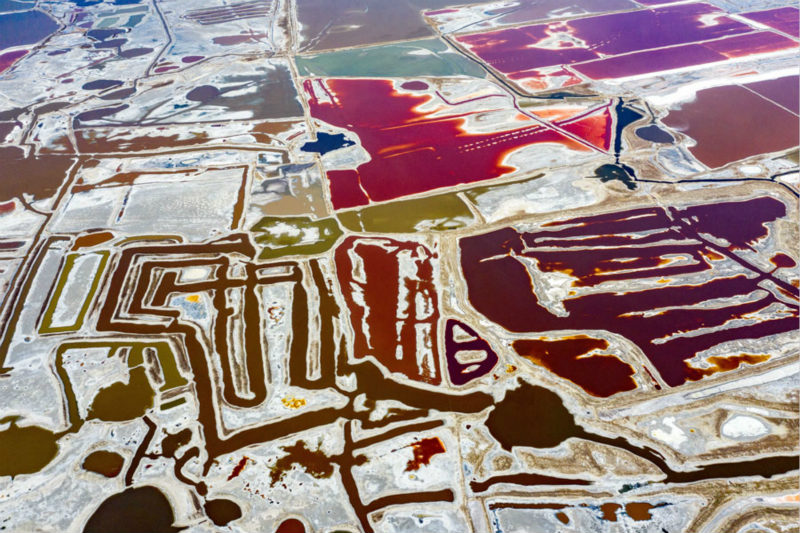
578	359
522	52
634	273
414	151
785	19
389	289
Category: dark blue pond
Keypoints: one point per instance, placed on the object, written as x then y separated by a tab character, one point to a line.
85	3
25	27
327	143
654	134
14	5
100	84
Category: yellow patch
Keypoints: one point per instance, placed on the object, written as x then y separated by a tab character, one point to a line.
293	403
194	298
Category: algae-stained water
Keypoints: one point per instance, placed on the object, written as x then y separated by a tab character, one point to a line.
393	266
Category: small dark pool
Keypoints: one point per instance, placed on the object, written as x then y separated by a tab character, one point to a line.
327	142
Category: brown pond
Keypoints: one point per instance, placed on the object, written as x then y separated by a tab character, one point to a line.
731	123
